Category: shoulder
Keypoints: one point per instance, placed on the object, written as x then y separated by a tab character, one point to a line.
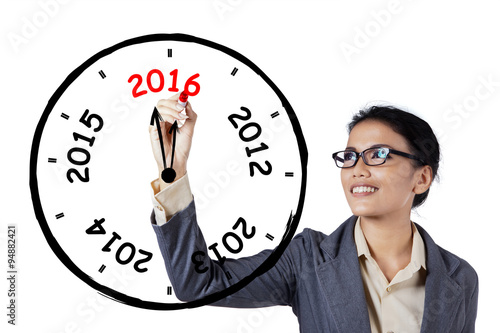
459	269
306	243
321	247
449	263
310	237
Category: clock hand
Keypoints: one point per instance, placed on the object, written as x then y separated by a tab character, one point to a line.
168	174
174	129
155	118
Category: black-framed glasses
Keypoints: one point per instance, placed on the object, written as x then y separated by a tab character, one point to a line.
371	156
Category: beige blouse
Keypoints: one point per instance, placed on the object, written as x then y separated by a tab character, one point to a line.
395	306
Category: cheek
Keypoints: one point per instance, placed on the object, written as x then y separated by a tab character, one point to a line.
344	178
406	170
397	179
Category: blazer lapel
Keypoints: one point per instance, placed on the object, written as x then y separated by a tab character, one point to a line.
341	281
442	294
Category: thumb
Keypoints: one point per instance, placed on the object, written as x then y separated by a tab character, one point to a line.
191	121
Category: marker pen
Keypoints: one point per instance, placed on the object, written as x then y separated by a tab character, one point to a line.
183	99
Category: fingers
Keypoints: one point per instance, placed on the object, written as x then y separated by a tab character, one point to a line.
170	110
167	115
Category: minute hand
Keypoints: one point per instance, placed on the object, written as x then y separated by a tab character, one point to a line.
174	129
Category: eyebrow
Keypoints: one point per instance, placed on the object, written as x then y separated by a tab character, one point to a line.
377	145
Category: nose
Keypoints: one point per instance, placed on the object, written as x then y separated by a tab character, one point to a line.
360	169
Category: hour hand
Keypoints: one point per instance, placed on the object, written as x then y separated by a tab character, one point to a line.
168	174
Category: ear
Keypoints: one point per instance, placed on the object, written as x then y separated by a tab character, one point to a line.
423	179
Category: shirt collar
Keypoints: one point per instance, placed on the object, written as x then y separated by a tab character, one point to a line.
417	251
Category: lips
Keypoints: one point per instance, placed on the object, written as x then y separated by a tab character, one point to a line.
363	189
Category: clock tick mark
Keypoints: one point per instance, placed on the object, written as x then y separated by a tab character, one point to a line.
65	116
102	74
102	268
233	73
288	174
58	216
170	53
169	290
273	115
270	237
52	160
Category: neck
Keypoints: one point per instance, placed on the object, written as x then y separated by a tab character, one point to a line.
388	237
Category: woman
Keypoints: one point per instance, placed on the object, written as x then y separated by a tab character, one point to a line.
378	272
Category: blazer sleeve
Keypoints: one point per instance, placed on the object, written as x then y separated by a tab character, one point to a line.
181	237
471	307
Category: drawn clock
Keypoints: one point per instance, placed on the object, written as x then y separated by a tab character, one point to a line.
92	165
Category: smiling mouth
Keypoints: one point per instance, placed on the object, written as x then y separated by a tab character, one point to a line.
364	189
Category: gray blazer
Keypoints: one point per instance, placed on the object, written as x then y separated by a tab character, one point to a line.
319	277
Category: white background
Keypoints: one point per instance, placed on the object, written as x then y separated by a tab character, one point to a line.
433	58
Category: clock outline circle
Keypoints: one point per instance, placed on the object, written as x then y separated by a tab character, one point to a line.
269	262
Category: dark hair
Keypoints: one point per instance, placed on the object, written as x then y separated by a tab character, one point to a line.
416	131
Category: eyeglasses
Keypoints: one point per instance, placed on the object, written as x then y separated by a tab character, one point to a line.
371	156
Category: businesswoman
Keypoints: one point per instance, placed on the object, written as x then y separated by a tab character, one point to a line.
377	272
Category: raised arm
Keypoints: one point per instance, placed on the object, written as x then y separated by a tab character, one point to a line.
181	238
193	275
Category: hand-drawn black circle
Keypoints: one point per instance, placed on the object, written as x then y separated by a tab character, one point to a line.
291	224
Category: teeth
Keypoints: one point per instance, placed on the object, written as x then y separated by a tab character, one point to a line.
362	189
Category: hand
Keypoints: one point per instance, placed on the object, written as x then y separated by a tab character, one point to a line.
170	111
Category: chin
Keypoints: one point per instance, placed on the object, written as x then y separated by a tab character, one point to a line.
363	211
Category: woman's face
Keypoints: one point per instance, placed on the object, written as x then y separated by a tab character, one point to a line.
393	182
